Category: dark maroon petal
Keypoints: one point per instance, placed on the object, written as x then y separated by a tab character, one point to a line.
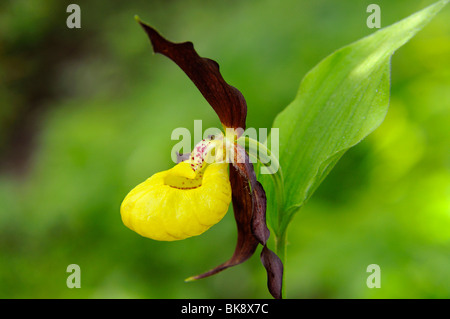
270	261
227	101
242	206
274	268
249	204
242	163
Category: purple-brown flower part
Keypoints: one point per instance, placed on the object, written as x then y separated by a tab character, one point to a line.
226	100
249	204
248	196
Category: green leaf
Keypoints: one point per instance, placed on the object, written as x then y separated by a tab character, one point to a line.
339	102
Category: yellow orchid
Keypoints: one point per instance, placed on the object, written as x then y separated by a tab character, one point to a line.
189	198
181	202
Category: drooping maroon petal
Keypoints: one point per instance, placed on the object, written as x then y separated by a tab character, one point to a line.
270	261
242	206
249	204
274	268
243	165
226	100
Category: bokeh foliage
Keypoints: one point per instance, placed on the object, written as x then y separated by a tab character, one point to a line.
87	114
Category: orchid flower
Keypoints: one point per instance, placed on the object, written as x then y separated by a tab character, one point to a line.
195	194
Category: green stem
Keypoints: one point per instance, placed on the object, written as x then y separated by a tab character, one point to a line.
280	250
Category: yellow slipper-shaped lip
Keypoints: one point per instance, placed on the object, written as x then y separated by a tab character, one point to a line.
176	204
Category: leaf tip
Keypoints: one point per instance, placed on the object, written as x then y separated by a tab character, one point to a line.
189	279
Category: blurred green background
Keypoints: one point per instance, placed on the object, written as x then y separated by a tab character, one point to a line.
86	114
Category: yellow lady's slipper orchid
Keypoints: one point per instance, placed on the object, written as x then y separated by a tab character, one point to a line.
195	194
